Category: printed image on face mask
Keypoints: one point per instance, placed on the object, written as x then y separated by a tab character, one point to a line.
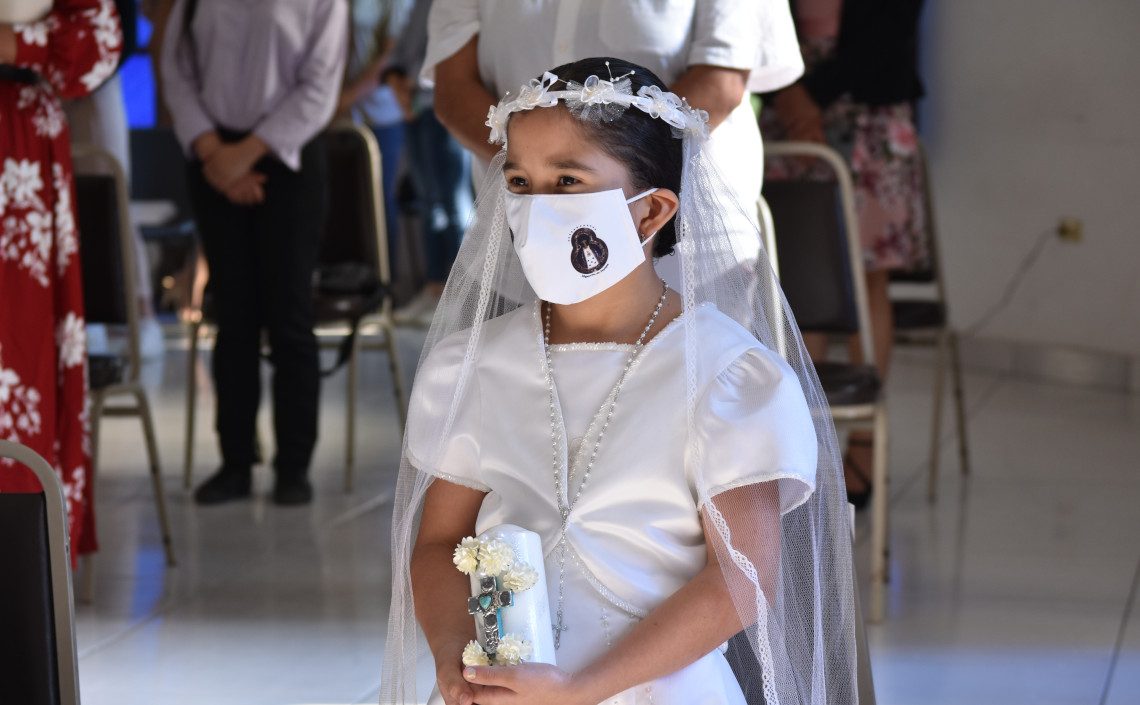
589	252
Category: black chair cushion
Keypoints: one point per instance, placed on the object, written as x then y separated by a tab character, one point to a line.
105	370
845	384
811	245
910	314
333	308
28	666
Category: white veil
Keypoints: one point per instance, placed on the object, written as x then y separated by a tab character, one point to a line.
800	645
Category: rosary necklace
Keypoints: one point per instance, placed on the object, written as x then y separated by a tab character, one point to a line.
566	505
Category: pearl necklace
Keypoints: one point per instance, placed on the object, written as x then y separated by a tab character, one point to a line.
565	505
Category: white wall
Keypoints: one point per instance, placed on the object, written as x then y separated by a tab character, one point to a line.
1032	113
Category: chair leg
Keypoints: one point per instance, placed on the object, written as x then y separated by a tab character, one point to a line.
936	416
959	402
350	422
397	376
155	474
880	526
191	406
87	590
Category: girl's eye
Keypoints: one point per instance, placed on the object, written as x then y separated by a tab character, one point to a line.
567	181
517	181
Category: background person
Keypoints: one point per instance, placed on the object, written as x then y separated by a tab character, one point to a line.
440	167
43	353
710	52
858	97
375	27
249	86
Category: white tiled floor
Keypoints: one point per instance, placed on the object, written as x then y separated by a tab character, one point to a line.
1014	588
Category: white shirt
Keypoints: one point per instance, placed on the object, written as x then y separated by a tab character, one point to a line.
272	67
520	40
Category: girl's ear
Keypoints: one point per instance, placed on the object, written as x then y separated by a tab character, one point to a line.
658	208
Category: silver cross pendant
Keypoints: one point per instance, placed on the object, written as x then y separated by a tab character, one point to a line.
485	606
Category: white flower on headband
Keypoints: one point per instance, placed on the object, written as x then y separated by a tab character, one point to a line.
595	91
497	121
599	100
534	94
661	104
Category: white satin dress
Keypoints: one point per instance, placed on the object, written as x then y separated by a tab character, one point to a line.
635	534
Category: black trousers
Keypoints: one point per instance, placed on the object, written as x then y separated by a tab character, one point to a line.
261	261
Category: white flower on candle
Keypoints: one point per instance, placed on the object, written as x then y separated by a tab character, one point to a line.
495	556
474	655
466	557
512	650
520	577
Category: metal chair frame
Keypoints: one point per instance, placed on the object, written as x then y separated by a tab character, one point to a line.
132	386
63	603
944	338
380	323
871	416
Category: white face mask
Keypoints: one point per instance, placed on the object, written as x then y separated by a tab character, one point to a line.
574	246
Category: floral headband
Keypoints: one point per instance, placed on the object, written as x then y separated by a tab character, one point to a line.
598	101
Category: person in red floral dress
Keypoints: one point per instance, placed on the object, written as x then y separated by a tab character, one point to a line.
43	358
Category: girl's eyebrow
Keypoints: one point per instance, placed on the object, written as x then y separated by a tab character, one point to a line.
559	164
572	164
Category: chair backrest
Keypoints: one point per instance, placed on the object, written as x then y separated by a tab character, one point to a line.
157	168
97	218
819	255
105	241
37	642
355	227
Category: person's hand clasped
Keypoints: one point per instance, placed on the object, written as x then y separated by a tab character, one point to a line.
799	114
247	191
525	684
229	163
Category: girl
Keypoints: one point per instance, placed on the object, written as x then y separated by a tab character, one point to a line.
249	86
682	476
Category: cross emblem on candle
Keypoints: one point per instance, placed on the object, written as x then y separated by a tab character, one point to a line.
485	606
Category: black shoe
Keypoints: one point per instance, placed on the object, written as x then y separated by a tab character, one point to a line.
224	486
292	490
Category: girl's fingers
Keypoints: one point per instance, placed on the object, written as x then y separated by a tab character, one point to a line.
493	676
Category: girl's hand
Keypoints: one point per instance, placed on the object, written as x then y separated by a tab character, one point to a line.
527	684
449	678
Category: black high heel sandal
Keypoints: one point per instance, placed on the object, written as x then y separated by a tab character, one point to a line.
862	498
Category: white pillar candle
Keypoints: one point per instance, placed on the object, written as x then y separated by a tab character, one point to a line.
529	616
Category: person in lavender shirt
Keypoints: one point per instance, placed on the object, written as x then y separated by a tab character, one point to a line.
249	85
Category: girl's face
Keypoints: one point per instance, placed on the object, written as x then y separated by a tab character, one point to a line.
548	152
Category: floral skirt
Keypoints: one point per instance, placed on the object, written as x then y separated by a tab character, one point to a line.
880	145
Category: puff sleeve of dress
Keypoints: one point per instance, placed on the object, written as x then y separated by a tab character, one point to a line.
449	452
753	425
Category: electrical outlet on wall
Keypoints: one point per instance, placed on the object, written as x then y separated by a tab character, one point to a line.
1071	229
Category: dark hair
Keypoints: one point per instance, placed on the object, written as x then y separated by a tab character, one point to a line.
644	145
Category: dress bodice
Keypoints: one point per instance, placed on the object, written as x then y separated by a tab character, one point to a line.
636	527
